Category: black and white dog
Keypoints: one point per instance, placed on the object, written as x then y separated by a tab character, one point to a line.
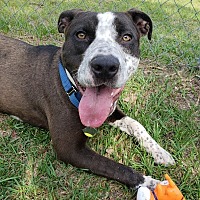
38	84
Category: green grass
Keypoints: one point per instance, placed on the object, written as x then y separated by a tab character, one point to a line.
28	165
176	25
165	100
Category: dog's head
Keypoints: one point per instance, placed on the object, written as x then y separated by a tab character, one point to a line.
101	51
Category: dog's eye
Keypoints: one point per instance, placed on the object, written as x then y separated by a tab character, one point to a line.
81	35
127	38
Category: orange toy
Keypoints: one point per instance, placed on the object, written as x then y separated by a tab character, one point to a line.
162	191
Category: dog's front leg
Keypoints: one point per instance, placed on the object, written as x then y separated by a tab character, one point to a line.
69	144
134	128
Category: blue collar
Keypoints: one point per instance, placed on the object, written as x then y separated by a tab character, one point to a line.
73	94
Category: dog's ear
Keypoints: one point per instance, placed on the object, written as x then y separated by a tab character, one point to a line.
143	22
65	18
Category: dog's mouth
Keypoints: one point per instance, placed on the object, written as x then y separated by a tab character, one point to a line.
96	104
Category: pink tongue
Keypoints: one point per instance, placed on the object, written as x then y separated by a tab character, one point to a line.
95	106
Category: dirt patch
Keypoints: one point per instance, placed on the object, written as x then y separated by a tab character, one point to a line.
185	84
3	117
4	129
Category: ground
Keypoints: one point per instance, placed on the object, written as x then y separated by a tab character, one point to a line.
163	96
165	101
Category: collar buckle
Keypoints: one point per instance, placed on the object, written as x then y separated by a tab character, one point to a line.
71	91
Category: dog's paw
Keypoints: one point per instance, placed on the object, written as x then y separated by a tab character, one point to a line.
163	157
149	182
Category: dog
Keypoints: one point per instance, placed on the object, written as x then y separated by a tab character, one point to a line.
68	89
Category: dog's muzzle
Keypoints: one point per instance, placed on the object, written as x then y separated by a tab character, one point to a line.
104	67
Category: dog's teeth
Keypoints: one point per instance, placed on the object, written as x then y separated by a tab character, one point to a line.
111	104
112	94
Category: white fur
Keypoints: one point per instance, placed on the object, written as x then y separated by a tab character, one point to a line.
149	182
105	44
143	193
132	127
15	117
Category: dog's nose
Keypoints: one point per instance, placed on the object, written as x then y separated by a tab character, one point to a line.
104	66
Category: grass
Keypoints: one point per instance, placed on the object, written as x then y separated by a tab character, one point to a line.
172	43
165	100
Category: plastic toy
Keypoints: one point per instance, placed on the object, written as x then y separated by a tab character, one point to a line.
166	190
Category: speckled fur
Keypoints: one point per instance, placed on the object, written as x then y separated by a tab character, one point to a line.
105	44
134	128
